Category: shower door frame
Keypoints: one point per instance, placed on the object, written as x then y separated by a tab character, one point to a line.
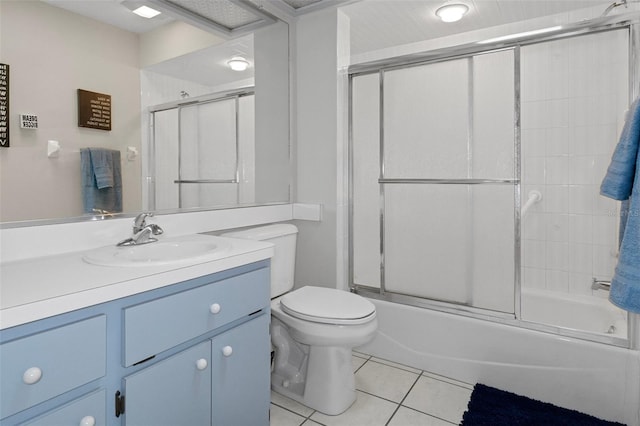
178	105
468	51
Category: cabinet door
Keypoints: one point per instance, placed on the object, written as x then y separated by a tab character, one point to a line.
240	362
86	411
176	391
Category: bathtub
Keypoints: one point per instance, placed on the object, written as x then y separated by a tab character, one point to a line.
579	312
595	378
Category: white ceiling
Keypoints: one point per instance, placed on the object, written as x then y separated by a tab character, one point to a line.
112	12
375	24
209	66
378	24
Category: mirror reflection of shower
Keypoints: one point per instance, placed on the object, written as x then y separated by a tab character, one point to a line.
204	151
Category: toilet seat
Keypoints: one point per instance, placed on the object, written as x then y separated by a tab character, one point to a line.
327	306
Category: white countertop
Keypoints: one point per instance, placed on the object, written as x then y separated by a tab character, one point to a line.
41	287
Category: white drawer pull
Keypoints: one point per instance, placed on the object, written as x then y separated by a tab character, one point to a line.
227	351
201	364
32	376
88	421
215	308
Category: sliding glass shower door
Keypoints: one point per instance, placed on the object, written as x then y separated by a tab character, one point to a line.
439	163
475	181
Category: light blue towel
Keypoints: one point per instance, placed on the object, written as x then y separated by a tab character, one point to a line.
101	185
622	182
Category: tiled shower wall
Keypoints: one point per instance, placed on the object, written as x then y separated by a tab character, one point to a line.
574	94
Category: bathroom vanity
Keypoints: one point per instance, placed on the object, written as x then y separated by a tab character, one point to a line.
169	344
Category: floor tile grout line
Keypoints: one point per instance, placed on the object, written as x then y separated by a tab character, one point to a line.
312	420
362	365
403	398
427	414
398	366
378	396
440	378
291	411
423	412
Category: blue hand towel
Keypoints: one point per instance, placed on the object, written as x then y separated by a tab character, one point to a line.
108	175
622	182
102	162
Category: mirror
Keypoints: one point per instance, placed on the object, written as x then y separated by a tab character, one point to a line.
53	52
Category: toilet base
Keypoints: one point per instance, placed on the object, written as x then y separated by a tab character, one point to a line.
328	385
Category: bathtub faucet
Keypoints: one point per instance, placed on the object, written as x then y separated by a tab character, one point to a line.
600	284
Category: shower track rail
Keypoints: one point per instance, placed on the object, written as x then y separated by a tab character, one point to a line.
448	181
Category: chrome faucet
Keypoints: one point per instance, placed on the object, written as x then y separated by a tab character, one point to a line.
142	232
600	284
140	222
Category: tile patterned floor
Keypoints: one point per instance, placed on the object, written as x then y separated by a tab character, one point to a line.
389	394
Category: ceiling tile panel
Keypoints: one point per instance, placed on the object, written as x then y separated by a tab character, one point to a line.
222	12
297	4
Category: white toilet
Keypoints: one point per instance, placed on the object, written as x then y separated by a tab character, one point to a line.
313	330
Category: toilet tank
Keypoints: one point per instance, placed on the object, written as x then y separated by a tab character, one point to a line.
283	262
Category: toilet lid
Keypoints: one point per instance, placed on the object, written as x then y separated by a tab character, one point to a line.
327	305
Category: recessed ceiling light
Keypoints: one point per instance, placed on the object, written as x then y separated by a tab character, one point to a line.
452	12
238	63
146	12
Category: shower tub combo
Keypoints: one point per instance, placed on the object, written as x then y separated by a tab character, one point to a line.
601	380
465	285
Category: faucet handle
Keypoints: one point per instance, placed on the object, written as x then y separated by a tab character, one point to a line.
141	221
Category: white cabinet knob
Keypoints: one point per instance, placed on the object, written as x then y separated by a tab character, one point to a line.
201	364
32	376
227	351
215	308
88	421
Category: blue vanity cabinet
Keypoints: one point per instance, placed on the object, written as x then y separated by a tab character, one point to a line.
89	410
224	381
155	326
240	367
218	368
44	364
193	353
175	391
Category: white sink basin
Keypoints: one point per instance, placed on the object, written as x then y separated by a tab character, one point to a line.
163	252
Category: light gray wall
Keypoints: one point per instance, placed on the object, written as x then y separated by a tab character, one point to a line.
51	54
272	162
318	147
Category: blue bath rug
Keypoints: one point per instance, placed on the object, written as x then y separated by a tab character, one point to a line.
494	407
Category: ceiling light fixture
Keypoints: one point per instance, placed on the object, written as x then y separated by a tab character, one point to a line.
452	12
238	63
146	12
520	35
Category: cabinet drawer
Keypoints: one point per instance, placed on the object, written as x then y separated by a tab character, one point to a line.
80	412
53	362
161	324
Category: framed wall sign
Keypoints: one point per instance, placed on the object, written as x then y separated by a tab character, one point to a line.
94	110
4	105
